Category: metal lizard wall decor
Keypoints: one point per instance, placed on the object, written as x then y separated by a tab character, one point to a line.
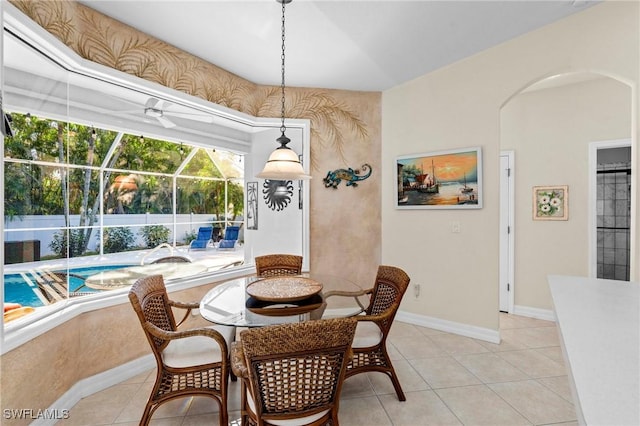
351	176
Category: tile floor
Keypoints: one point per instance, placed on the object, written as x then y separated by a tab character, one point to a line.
448	380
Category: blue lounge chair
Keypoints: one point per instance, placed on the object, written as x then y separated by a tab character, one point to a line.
203	239
230	238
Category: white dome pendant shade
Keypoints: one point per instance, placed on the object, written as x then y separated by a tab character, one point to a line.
283	163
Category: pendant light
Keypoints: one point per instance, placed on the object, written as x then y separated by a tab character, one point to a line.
283	163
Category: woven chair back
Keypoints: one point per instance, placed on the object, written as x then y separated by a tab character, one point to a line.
149	298
297	369
390	286
271	265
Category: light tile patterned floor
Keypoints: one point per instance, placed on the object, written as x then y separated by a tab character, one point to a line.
448	380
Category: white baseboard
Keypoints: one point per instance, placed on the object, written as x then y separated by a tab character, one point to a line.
91	385
537	313
486	334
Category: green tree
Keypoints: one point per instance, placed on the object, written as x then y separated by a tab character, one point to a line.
115	240
53	168
28	188
154	235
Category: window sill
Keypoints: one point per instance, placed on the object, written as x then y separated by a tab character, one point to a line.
23	330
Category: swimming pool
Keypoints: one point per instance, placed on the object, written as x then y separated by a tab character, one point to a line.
20	288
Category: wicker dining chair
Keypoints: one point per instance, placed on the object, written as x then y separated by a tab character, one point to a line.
292	373
271	265
192	362
370	341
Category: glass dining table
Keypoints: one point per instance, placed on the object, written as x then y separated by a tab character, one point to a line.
251	301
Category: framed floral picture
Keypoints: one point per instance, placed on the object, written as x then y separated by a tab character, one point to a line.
551	202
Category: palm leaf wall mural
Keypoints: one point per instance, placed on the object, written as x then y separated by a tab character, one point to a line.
228	91
334	125
52	16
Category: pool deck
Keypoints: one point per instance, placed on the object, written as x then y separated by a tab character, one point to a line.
50	287
212	257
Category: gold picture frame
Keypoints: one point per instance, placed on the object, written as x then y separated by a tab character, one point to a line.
551	202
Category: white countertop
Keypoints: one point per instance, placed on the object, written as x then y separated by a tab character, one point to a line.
599	323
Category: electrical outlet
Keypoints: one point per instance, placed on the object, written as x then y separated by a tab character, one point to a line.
416	290
455	227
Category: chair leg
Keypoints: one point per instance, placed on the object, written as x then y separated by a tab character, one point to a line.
224	414
244	417
391	372
375	359
396	384
146	416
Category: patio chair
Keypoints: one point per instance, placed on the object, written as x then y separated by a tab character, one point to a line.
203	239
190	362
278	264
230	238
370	342
292	373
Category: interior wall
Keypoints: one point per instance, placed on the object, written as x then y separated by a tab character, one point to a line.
550	131
459	106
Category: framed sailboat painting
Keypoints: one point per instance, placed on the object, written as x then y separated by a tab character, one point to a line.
449	179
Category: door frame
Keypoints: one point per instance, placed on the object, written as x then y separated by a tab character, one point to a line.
508	258
592	220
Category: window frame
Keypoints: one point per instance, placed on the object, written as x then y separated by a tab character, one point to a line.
237	130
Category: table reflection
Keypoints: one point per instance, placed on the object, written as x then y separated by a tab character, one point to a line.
229	304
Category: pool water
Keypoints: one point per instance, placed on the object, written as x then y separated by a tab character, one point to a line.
18	289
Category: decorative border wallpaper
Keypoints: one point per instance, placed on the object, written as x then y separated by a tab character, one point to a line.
108	42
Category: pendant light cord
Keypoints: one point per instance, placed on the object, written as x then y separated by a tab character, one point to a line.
282	126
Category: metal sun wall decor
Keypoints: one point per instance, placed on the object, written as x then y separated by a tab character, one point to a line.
351	176
277	193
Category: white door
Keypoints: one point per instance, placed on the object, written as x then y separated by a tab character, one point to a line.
506	231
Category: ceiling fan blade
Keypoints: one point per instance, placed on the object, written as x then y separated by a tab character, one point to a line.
162	104
166	122
156	103
197	117
151	103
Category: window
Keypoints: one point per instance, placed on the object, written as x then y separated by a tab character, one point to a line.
103	171
75	191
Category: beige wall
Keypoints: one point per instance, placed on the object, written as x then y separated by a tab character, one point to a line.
459	106
550	131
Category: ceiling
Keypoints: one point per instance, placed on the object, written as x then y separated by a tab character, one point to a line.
348	44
